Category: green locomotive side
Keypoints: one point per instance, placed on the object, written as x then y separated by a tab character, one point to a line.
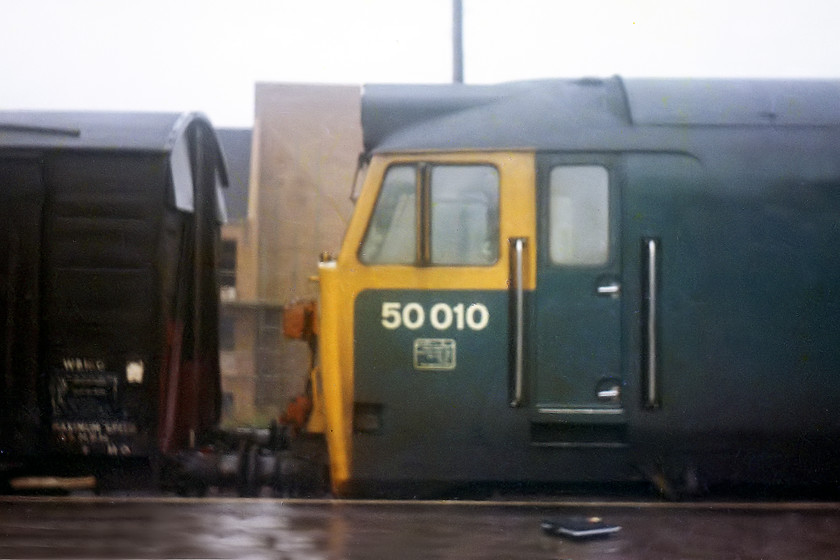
655	294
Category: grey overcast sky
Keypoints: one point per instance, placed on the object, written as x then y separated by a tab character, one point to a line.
206	55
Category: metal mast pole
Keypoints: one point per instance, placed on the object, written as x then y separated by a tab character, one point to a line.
457	42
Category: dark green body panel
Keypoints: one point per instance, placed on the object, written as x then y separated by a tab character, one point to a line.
428	413
452	425
749	330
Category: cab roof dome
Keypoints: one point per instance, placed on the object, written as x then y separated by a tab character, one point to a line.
541	114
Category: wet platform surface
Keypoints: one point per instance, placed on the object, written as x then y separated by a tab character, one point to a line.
261	528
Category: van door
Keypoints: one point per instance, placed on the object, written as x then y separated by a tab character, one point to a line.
576	338
21	392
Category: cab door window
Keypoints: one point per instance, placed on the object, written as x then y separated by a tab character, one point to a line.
579	225
435	215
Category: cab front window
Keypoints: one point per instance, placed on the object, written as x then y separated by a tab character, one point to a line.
391	237
435	215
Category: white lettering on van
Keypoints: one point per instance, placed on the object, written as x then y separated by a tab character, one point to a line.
83	364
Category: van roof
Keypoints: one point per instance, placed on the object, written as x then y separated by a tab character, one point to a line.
165	134
99	130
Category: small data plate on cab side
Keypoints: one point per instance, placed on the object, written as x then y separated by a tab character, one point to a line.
434	354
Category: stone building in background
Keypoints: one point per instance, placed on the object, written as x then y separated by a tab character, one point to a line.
289	201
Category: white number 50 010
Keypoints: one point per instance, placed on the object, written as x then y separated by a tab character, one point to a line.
441	316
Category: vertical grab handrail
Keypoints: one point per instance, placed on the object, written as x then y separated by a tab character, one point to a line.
650	344
517	264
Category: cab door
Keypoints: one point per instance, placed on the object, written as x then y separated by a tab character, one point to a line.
415	325
576	333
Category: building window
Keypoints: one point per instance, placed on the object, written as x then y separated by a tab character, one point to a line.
227	269
227	330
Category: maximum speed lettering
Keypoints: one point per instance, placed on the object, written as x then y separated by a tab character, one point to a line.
441	316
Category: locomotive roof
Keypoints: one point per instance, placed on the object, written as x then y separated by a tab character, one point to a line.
547	114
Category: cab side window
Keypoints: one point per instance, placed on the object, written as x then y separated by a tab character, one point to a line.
464	215
435	215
